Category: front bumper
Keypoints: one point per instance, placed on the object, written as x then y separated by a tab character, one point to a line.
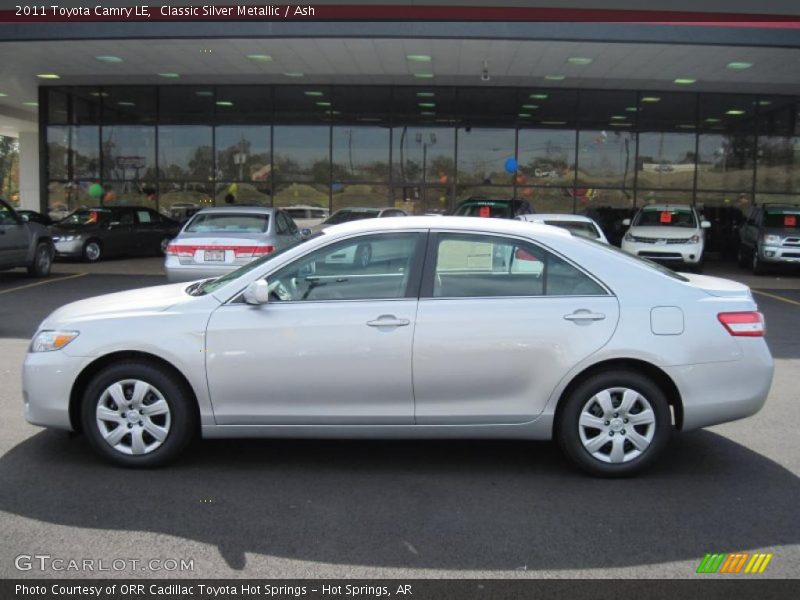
714	393
688	254
779	254
47	380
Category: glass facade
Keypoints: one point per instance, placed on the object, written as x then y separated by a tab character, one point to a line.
420	148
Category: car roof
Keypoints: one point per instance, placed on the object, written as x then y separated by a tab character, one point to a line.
367	208
481	199
555	217
232	208
667	207
305	206
466	224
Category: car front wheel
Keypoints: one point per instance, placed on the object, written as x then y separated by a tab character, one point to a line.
614	424
136	414
92	251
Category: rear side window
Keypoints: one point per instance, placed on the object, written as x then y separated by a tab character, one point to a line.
480	266
228	223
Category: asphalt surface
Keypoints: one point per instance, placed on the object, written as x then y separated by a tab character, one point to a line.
281	508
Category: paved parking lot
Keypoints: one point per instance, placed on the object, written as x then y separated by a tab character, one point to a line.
265	508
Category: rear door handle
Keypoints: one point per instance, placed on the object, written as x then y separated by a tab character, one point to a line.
388	321
584	315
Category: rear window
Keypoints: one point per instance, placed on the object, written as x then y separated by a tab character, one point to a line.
586	230
667	217
782	218
495	209
228	223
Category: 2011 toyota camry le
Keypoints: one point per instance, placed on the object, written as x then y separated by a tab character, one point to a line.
469	328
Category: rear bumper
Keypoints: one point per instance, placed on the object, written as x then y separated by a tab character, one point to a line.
714	393
177	272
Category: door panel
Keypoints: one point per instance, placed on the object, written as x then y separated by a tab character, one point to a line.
311	363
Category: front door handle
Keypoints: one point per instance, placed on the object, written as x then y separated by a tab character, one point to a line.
584	315
388	321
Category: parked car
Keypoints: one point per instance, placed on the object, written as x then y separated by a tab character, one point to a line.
23	243
493	208
218	240
94	233
600	350
669	233
356	213
770	236
31	216
181	211
577	224
307	216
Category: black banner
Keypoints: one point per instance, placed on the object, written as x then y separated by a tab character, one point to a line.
708	587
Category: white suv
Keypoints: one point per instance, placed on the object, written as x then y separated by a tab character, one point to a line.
669	233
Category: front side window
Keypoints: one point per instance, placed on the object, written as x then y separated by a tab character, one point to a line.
87	218
365	268
6	216
228	223
481	266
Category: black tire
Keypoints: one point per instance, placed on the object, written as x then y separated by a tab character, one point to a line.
42	260
567	428
92	251
182	413
741	258
363	255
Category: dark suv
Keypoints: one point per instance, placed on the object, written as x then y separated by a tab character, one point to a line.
24	243
770	236
496	209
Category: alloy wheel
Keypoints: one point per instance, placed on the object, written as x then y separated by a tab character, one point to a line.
43	259
133	417
92	251
617	425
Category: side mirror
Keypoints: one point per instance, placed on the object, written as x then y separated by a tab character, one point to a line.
626	222
257	292
705	224
24	218
305	232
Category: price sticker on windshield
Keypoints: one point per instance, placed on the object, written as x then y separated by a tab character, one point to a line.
790	220
485	211
666	217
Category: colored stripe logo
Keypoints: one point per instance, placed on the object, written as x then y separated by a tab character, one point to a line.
737	562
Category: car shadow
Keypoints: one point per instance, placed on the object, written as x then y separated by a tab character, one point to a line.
484	505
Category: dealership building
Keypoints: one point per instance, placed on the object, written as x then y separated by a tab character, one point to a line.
614	107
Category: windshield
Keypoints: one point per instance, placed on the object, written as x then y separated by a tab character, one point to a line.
210	285
86	217
496	209
666	217
782	218
228	223
345	215
580	228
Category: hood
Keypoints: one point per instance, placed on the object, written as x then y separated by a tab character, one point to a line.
668	232
144	300
717	286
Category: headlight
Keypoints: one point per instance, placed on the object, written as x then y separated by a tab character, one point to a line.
628	237
47	341
694	239
772	239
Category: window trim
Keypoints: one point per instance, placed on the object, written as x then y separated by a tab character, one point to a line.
426	289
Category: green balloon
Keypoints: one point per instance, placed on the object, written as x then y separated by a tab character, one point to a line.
95	190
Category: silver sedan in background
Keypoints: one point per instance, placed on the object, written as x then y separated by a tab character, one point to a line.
219	240
468	328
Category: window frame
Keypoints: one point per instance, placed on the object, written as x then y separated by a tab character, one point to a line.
429	269
412	285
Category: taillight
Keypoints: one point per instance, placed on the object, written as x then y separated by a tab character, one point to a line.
179	250
252	251
743	324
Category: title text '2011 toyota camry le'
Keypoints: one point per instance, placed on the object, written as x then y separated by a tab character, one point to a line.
458	328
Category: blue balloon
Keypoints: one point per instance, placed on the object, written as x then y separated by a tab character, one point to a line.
511	165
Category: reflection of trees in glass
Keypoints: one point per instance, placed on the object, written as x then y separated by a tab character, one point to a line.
238	162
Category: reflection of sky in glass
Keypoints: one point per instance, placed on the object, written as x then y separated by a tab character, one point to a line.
177	144
303	144
367	145
666	147
129	141
484	151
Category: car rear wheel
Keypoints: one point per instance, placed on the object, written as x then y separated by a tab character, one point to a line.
741	258
614	424
42	260
757	265
136	414
92	251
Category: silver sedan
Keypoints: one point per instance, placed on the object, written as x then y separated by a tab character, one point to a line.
468	328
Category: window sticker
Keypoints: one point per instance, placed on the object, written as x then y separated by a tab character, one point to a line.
666	217
485	211
790	220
